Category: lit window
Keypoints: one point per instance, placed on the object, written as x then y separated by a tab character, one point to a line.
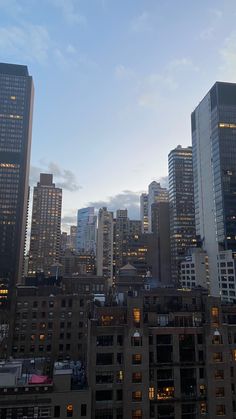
136	359
215	315
69	410
137	414
234	354
151	393
136	316
137	396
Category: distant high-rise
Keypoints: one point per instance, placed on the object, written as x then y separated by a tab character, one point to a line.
144	212
181	197
214	170
105	244
86	230
16	109
46	226
73	237
124	228
155	194
160	221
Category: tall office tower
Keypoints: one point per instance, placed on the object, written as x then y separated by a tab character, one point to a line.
160	222
120	234
144	212
124	229
105	244
46	226
214	162
73	237
86	230
155	194
181	197
16	109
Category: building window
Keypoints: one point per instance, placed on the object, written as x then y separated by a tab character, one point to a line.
217	357
234	354
137	377
220	392
137	396
203	409
137	414
151	393
69	410
83	409
57	411
136	317
136	359
219	375
215	315
120	376
220	410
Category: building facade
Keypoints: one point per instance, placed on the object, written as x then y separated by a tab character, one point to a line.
86	230
182	215
214	161
163	354
105	244
16	110
155	194
160	219
144	212
46	226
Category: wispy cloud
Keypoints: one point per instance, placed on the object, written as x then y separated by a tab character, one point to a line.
209	32
153	87
228	57
30	42
63	178
123	73
141	23
70	11
125	200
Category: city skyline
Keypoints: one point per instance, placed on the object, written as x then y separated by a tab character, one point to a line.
114	100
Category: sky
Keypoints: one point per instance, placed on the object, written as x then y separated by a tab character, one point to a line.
115	84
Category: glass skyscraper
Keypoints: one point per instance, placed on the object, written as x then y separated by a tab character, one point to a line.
214	170
181	198
86	230
16	103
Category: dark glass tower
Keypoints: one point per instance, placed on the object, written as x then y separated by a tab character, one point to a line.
16	103
214	164
181	198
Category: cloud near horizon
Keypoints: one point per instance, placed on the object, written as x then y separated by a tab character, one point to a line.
124	200
63	178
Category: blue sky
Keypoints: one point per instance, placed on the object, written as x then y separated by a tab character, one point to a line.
115	84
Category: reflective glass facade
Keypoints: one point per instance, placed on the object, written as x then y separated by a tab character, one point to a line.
181	198
16	101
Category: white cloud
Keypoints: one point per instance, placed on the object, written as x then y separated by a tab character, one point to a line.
154	87
63	178
228	57
70	12
126	199
209	33
30	42
141	23
122	72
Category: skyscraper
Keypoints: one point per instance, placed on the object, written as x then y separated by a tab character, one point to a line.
144	212
105	244
181	196
16	109
155	194
73	237
46	226
161	230
86	230
214	169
